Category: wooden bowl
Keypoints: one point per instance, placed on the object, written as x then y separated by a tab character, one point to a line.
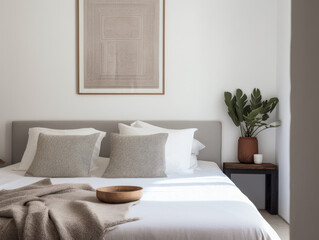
119	194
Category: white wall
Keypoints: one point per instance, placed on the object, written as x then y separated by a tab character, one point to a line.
283	92
211	46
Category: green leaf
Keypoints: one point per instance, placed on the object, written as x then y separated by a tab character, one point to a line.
230	103
273	102
247	110
234	118
275	124
265	117
253	114
241	100
269	106
255	100
251	119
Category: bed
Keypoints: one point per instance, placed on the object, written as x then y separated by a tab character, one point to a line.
201	205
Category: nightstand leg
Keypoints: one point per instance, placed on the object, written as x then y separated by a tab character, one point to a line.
272	192
227	173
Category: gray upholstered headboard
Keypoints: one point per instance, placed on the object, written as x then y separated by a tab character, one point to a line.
209	133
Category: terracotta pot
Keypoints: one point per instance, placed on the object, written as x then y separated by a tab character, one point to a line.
247	147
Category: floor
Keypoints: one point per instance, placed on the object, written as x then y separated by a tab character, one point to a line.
280	225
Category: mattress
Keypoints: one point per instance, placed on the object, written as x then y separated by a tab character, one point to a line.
202	205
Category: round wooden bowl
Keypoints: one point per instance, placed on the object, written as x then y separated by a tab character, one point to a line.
119	194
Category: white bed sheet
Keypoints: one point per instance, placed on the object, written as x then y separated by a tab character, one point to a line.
203	205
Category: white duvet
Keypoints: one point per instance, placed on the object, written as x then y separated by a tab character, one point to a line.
203	205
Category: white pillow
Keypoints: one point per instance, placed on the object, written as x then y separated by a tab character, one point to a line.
194	163
196	145
178	146
31	148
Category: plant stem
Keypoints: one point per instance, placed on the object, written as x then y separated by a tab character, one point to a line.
265	129
268	126
241	130
244	131
260	131
248	130
255	130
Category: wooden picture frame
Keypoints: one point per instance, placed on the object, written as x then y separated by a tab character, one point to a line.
121	47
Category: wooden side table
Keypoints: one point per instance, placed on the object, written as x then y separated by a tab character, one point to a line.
271	172
2	162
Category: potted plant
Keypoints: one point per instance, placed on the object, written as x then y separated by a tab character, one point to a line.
251	119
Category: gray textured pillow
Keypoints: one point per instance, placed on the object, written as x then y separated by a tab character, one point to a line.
137	156
63	156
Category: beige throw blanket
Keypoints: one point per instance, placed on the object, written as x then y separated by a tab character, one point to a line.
61	211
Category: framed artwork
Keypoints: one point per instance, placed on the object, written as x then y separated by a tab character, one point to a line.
121	46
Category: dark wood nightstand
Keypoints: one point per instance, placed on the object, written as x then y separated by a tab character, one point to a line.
2	162
271	172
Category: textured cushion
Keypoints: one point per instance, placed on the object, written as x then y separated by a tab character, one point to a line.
178	146
137	156
63	156
31	148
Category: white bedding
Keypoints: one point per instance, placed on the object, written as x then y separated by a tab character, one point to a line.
202	205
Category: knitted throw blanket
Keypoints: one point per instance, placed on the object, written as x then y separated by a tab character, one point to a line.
62	211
